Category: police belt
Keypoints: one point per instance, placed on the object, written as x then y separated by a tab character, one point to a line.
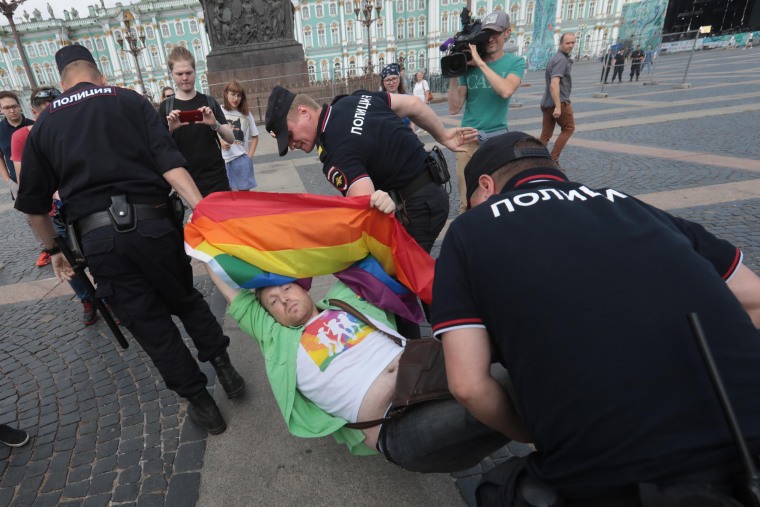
422	179
102	218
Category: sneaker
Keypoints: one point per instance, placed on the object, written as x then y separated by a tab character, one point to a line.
13	437
90	314
44	260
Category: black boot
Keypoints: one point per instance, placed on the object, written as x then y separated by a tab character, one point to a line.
232	383
204	413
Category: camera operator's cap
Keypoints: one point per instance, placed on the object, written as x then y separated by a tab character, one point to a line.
494	154
68	54
278	106
498	21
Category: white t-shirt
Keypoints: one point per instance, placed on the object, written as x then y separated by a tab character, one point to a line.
420	87
243	128
338	360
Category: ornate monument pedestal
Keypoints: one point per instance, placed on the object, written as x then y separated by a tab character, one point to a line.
258	66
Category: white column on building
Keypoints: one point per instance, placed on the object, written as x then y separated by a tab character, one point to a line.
113	53
205	43
434	36
298	25
389	25
9	67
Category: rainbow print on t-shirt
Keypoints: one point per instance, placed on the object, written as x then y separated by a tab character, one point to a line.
330	334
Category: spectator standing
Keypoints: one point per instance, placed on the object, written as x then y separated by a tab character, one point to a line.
606	64
238	156
421	89
588	390
649	61
485	90
13	121
129	236
619	60
166	92
637	57
198	142
392	82
556	108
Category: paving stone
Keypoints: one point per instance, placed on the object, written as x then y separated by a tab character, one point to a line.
76	489
183	489
154	483
126	492
55	481
47	500
101	500
151	500
80	473
102	483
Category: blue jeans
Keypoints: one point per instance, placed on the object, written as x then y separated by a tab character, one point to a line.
439	437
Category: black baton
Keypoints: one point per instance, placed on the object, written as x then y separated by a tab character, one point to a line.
752	484
79	270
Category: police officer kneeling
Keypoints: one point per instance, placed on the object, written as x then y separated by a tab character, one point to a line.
591	322
104	148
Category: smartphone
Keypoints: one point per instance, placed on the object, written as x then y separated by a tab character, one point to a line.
190	116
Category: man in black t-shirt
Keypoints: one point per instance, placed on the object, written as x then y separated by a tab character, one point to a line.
583	296
637	57
198	142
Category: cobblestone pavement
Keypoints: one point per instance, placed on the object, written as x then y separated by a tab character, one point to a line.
105	430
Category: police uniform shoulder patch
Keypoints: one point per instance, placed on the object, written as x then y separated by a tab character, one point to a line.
337	178
86	94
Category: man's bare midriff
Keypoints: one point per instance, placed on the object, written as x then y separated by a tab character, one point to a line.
378	398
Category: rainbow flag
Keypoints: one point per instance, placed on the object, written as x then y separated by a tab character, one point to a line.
257	239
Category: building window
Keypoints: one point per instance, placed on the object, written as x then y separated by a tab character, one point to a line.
193	26
312	72
21	75
204	84
149	32
307	40
380	28
513	12
350	31
421	5
400	6
116	35
352	67
444	2
411	61
14	53
183	43
609	7
198	51
154	56
31	51
421	59
410	5
334	36
52	48
88	44
126	63
381	60
52	79
529	14
38	76
410	28
42	49
333	9
337	71
168	47
305	12
179	28
348	6
581	9
100	44
592	8
400	29
165	30
421	25
324	70
321	36
320	10
445	22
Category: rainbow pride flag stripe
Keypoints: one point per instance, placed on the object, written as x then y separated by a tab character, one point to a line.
257	239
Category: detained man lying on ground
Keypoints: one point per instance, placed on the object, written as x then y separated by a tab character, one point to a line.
329	367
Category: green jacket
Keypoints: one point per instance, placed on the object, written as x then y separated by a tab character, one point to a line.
279	346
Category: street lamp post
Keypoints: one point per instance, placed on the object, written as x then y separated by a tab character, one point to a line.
133	45
8	8
365	7
579	43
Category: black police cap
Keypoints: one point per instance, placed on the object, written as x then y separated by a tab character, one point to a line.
68	54
495	153
278	106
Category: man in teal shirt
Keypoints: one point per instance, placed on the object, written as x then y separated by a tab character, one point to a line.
485	90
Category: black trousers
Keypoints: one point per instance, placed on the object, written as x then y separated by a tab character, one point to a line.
606	73
617	71
635	70
147	276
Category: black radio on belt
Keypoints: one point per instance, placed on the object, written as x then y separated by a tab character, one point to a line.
122	214
437	166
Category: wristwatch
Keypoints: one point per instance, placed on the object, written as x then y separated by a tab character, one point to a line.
52	251
216	126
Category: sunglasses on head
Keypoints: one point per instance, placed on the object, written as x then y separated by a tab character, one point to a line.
50	93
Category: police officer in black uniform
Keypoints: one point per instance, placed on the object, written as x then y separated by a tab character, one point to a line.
104	148
364	145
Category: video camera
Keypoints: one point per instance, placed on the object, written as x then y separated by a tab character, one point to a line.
455	63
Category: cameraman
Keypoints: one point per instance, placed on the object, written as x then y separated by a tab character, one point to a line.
485	90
